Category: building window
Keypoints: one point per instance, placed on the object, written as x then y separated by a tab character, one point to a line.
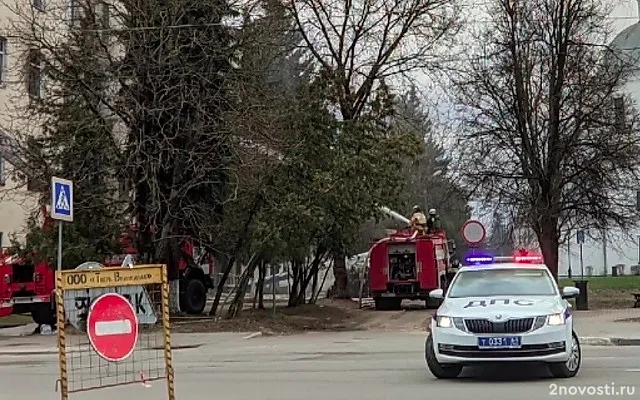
75	12
106	15
3	61
105	19
36	185
38	4
35	75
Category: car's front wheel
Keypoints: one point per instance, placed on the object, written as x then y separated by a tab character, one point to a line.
440	371
569	368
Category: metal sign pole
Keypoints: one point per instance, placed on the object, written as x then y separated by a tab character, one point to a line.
59	245
581	263
604	251
61	208
273	288
569	253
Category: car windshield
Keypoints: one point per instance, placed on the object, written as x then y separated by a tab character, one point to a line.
502	282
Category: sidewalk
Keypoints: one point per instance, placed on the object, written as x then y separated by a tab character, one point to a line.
20	341
619	327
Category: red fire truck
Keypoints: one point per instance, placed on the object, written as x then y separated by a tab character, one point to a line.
402	266
27	287
194	280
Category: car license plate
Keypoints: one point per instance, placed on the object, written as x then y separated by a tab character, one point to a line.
388	295
505	342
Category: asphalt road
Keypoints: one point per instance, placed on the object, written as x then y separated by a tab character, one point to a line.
362	365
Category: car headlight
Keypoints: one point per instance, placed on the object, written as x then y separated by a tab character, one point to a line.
556	319
444	322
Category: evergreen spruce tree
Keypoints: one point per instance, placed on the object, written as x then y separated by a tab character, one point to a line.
175	78
429	176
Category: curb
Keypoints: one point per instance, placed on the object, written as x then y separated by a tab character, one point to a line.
595	341
11	326
54	350
30	352
253	335
603	341
586	341
259	334
625	342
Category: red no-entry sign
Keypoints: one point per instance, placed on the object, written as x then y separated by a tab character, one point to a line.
473	232
112	327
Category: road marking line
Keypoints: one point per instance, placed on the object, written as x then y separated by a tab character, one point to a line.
601	358
632	370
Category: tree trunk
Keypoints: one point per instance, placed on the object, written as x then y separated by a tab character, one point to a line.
237	303
296	268
316	295
239	243
549	246
303	283
174	297
260	287
314	282
548	238
311	273
341	283
289	279
221	283
255	289
166	251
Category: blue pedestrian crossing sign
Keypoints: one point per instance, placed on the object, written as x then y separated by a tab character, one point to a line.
61	199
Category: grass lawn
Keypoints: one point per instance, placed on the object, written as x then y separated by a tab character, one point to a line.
608	291
16	319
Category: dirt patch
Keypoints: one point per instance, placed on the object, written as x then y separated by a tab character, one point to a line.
339	315
327	315
407	320
413	317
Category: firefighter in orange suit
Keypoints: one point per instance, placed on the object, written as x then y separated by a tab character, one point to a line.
418	221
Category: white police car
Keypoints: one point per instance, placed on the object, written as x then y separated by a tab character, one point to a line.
497	311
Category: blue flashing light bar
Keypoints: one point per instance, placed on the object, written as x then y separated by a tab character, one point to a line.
478	259
522	257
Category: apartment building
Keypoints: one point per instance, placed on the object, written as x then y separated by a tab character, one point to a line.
17	83
22	79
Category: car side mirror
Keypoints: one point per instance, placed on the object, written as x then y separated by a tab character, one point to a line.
436	294
570	292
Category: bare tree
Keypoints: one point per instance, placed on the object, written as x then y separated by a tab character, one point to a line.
547	130
360	43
